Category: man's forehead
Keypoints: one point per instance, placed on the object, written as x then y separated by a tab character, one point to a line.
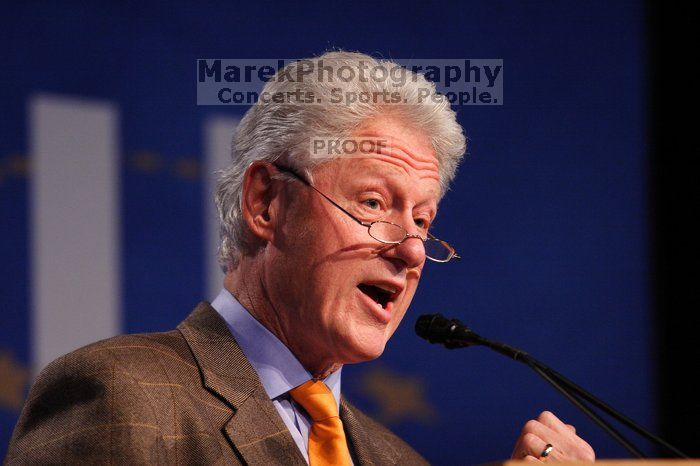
388	166
387	147
402	148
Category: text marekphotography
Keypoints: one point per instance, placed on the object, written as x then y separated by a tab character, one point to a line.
240	81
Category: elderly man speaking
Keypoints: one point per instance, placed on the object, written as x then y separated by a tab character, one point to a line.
322	254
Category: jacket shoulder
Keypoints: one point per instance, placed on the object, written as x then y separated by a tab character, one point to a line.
116	399
138	355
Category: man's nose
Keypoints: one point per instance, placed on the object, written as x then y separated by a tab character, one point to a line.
411	251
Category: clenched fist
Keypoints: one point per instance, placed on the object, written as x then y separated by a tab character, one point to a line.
546	430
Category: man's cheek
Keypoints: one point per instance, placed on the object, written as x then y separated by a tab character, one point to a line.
410	291
414	273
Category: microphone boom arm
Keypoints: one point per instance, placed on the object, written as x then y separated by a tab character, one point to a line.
454	334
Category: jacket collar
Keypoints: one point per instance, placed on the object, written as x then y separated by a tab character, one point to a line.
255	428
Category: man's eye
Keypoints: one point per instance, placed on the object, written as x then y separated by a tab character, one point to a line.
422	223
372	204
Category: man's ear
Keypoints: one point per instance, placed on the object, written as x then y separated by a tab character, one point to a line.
259	195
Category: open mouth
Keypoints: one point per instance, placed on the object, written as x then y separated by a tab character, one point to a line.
380	294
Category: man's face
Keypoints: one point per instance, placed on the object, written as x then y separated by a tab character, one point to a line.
340	294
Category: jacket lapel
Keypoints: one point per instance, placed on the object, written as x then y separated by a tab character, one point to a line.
255	429
368	444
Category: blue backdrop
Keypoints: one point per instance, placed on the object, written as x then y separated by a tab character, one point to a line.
549	209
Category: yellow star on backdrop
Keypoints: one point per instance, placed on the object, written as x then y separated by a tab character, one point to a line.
398	397
13	379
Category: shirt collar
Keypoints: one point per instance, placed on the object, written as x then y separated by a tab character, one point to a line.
278	369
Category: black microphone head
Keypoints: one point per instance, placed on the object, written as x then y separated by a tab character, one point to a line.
437	328
423	325
433	327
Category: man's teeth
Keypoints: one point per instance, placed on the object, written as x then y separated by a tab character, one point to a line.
388	289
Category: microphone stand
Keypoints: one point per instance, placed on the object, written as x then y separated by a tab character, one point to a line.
609	410
453	334
614	433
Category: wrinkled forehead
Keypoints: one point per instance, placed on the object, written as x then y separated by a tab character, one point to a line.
390	164
415	162
390	140
401	145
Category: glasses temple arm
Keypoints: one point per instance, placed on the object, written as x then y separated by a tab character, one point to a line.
307	183
338	206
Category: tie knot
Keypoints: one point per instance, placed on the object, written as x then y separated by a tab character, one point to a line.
317	399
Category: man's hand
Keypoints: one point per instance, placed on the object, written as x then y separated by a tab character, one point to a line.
548	429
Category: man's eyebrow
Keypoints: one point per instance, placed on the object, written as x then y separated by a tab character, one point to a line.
380	181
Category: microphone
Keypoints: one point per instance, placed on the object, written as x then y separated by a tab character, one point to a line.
453	334
449	332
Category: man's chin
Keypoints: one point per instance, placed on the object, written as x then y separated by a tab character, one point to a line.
363	351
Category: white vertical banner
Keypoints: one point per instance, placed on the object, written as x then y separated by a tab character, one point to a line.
218	134
75	225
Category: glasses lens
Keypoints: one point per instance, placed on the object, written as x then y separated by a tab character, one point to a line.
387	232
437	250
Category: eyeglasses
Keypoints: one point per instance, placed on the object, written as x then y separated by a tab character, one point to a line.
385	232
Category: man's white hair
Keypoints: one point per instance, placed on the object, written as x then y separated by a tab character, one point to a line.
271	130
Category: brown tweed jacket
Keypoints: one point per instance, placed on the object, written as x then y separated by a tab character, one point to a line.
188	396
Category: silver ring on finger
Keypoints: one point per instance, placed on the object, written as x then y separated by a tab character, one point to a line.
544	456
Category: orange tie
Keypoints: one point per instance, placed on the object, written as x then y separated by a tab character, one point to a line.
327	444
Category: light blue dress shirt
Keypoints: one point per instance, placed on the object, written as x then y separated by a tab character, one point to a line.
278	369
